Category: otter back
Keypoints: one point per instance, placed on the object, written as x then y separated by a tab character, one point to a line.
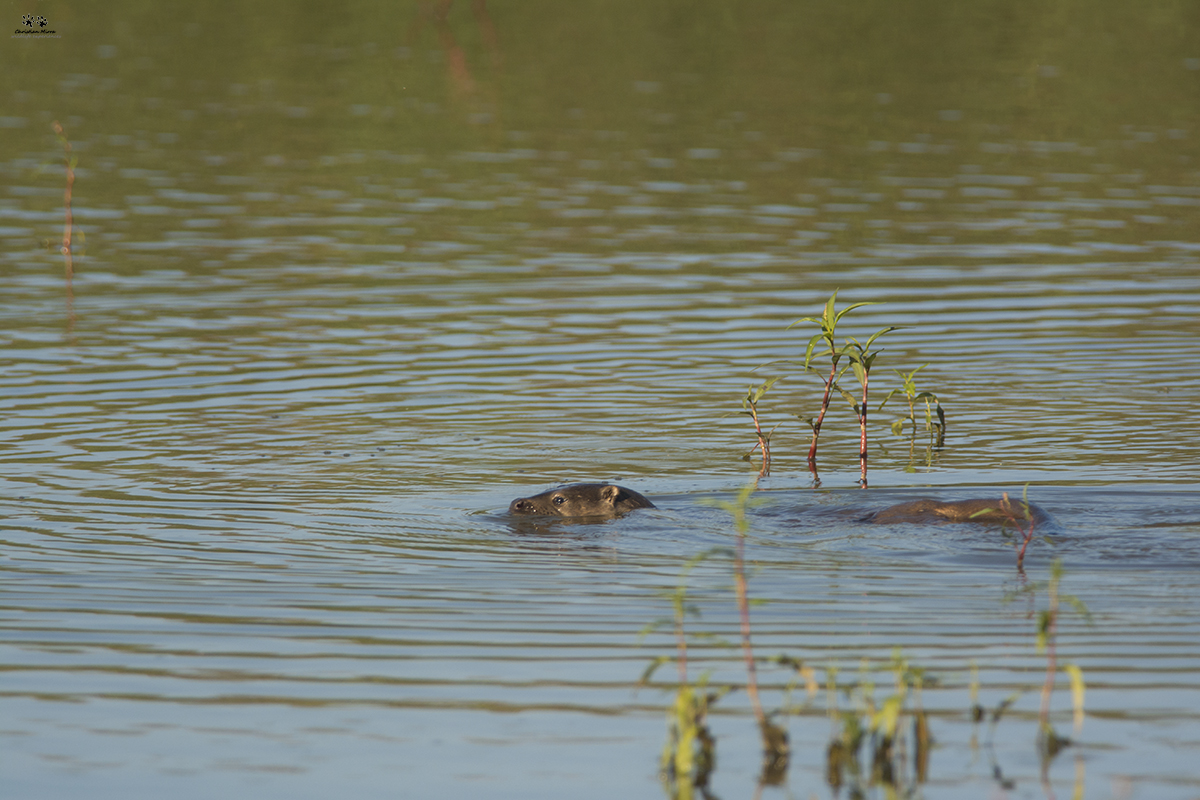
581	500
993	512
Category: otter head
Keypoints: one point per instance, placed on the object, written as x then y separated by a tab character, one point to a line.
581	500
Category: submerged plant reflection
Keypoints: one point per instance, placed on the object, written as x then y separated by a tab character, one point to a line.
689	755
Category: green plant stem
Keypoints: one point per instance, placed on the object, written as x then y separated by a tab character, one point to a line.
681	646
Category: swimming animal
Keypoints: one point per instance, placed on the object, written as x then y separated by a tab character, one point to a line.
610	500
581	500
992	511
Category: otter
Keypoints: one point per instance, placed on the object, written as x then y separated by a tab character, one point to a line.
581	500
610	500
993	512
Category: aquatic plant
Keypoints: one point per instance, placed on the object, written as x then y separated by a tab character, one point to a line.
71	161
750	408
852	356
774	738
978	714
1023	523
913	396
828	323
689	755
800	672
861	360
1049	742
877	735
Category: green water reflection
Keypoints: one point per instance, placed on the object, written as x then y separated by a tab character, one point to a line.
645	80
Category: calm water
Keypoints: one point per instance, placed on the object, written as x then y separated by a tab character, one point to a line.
342	290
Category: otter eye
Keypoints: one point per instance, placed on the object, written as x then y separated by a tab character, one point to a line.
559	500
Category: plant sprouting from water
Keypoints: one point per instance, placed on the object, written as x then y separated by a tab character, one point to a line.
689	755
878	734
750	408
912	396
1049	742
774	738
1047	639
828	322
854	356
801	672
69	268
1020	516
862	358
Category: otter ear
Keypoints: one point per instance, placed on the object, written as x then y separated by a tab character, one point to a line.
610	494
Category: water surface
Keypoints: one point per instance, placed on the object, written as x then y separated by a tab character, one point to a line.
342	292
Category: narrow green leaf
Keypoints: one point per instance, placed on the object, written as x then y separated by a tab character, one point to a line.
650	670
803	319
848	309
1004	704
884	720
1044	620
1077	692
830	321
877	334
808	351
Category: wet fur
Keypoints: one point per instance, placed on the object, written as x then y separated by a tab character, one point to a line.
994	511
581	500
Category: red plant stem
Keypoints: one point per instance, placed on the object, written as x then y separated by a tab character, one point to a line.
747	651
1051	659
66	242
762	442
1024	544
456	59
812	451
862	427
1027	534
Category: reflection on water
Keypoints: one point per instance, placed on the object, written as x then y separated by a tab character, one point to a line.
342	295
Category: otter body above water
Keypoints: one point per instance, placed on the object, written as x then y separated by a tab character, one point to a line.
995	511
608	500
581	500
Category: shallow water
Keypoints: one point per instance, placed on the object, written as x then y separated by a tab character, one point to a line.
332	312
